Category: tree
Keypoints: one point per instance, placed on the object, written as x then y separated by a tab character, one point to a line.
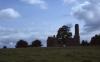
36	43
64	34
95	40
4	47
21	44
85	43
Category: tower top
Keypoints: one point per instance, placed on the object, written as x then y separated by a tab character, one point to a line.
77	25
76	29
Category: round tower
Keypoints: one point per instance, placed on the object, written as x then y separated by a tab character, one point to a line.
77	35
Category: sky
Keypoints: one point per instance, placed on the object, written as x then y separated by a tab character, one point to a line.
38	19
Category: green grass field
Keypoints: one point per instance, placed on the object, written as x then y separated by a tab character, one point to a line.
69	54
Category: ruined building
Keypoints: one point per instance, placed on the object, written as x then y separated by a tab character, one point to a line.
54	42
95	40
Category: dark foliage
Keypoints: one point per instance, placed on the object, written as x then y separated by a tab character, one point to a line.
95	40
63	34
36	43
85	43
4	47
21	44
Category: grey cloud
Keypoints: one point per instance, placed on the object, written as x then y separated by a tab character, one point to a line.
89	12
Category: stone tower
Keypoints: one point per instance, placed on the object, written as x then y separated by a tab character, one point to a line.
77	35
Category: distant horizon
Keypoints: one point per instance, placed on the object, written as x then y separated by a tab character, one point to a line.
38	19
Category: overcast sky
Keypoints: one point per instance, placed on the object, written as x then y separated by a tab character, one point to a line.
38	19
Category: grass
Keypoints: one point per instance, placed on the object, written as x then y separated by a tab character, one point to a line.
69	54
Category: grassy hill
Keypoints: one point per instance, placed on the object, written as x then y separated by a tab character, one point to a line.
69	54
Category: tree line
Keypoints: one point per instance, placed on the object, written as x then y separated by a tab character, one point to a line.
24	44
63	35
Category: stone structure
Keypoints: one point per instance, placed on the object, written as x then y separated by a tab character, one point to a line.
77	35
95	40
53	41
